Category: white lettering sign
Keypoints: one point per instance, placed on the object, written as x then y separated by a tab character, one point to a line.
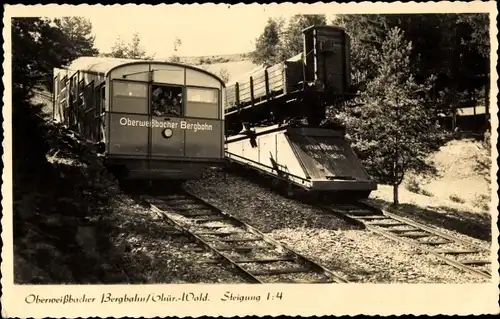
183	125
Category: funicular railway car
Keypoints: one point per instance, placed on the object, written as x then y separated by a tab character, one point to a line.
149	119
282	110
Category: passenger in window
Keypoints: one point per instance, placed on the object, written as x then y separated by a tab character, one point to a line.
161	107
177	106
174	108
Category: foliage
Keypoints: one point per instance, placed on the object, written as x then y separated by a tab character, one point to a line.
177	44
452	47
38	46
78	31
61	212
393	130
456	199
119	49
224	75
133	50
268	46
44	239
413	186
278	43
484	159
292	41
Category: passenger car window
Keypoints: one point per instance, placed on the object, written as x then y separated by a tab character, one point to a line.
129	97
166	100
202	103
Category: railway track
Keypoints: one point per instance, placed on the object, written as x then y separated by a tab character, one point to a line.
237	245
448	249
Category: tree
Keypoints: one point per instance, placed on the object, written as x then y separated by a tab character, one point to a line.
78	31
135	51
277	43
394	130
268	46
119	49
292	40
37	48
367	32
131	51
224	75
177	44
452	47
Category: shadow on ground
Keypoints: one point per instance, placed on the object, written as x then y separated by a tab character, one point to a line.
61	206
471	224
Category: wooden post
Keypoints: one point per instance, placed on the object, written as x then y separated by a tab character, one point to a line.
251	89
266	77
237	92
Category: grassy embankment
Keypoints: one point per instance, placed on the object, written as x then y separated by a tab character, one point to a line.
458	197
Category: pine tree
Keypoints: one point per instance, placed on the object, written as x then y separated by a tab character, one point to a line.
119	49
452	47
268	50
37	47
277	43
292	40
133	50
394	130
78	31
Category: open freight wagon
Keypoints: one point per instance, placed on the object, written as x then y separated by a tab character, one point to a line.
321	71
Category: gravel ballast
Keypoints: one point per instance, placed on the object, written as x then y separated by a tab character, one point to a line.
160	257
358	255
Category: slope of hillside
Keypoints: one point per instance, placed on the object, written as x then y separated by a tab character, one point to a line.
457	184
234	69
457	198
209	59
234	65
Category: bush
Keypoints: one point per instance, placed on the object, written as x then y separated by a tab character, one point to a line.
483	158
61	207
483	202
414	186
456	199
224	75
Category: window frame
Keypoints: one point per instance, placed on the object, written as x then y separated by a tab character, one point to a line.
112	96
93	92
219	100
183	88
74	88
63	84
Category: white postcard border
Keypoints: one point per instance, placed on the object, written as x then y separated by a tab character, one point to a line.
305	300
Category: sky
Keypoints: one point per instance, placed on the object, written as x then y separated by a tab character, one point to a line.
203	29
208	29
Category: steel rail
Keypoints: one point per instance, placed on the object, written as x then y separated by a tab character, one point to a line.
400	238
311	266
271	241
447	260
248	276
387	212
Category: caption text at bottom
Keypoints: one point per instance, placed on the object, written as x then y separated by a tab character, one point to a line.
151	297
